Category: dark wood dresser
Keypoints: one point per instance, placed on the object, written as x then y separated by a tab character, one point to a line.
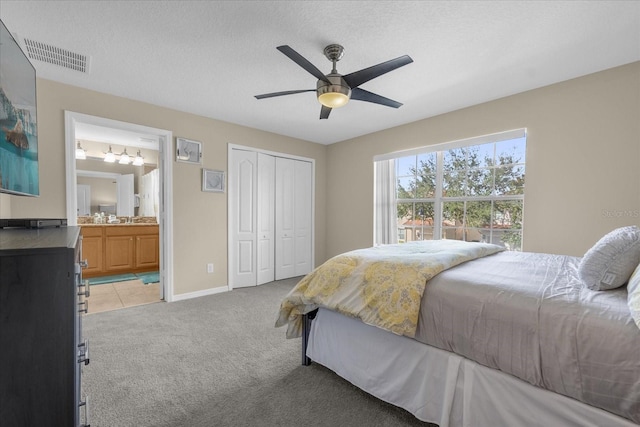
42	299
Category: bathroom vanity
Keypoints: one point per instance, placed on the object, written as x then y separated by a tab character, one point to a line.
120	248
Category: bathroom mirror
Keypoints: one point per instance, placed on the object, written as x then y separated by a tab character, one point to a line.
114	188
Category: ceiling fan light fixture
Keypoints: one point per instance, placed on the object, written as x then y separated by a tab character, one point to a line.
333	99
333	95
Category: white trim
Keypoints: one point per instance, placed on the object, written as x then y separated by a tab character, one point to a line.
230	255
271	153
476	140
96	174
438	199
70	165
198	294
165	163
165	137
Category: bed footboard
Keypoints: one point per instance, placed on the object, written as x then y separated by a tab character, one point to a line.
306	328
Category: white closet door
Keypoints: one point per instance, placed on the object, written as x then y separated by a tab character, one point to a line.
302	217
266	218
293	218
270	217
285	231
243	196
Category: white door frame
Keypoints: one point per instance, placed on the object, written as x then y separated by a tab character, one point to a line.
230	209
165	137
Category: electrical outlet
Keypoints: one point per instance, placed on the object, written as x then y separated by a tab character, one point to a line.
210	268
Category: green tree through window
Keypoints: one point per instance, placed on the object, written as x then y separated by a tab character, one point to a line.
472	193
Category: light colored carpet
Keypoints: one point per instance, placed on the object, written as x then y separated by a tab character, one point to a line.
216	361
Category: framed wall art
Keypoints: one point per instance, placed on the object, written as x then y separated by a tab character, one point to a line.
213	181
188	151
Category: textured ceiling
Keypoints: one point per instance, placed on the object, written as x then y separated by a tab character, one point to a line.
211	58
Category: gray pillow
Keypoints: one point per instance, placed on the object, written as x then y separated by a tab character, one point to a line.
633	297
611	261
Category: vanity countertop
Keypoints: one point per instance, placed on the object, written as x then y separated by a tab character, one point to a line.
85	221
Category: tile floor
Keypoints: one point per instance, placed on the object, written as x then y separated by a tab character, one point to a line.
113	296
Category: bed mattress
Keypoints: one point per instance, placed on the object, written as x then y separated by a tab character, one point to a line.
528	315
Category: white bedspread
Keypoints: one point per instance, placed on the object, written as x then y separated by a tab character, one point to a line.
528	315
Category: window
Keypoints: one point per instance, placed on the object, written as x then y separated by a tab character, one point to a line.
470	190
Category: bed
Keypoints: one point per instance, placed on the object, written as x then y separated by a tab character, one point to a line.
504	338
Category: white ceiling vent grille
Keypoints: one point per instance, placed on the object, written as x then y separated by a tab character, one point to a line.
57	56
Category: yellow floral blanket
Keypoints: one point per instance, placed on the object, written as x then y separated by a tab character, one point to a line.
382	285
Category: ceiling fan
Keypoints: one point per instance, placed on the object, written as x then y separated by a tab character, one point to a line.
334	90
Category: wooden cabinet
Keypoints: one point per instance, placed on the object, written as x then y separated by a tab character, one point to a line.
41	347
119	249
124	249
119	253
147	251
92	250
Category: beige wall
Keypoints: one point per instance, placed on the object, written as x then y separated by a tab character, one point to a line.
5	206
582	178
583	157
200	219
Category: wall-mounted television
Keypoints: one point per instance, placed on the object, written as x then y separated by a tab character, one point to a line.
18	125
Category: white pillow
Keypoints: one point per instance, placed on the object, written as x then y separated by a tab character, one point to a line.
612	260
634	295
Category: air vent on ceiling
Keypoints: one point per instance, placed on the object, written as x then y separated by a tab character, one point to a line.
56	56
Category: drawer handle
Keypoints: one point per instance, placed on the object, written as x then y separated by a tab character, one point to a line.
83	354
84	310
87	289
86	411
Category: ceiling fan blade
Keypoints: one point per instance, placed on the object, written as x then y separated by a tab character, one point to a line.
303	62
287	92
364	95
357	78
324	112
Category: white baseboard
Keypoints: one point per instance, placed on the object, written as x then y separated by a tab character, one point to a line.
197	294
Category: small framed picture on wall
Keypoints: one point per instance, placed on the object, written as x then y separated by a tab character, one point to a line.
188	151
213	181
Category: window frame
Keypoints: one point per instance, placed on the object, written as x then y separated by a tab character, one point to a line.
439	199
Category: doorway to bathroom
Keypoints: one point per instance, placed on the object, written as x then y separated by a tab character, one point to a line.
130	237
